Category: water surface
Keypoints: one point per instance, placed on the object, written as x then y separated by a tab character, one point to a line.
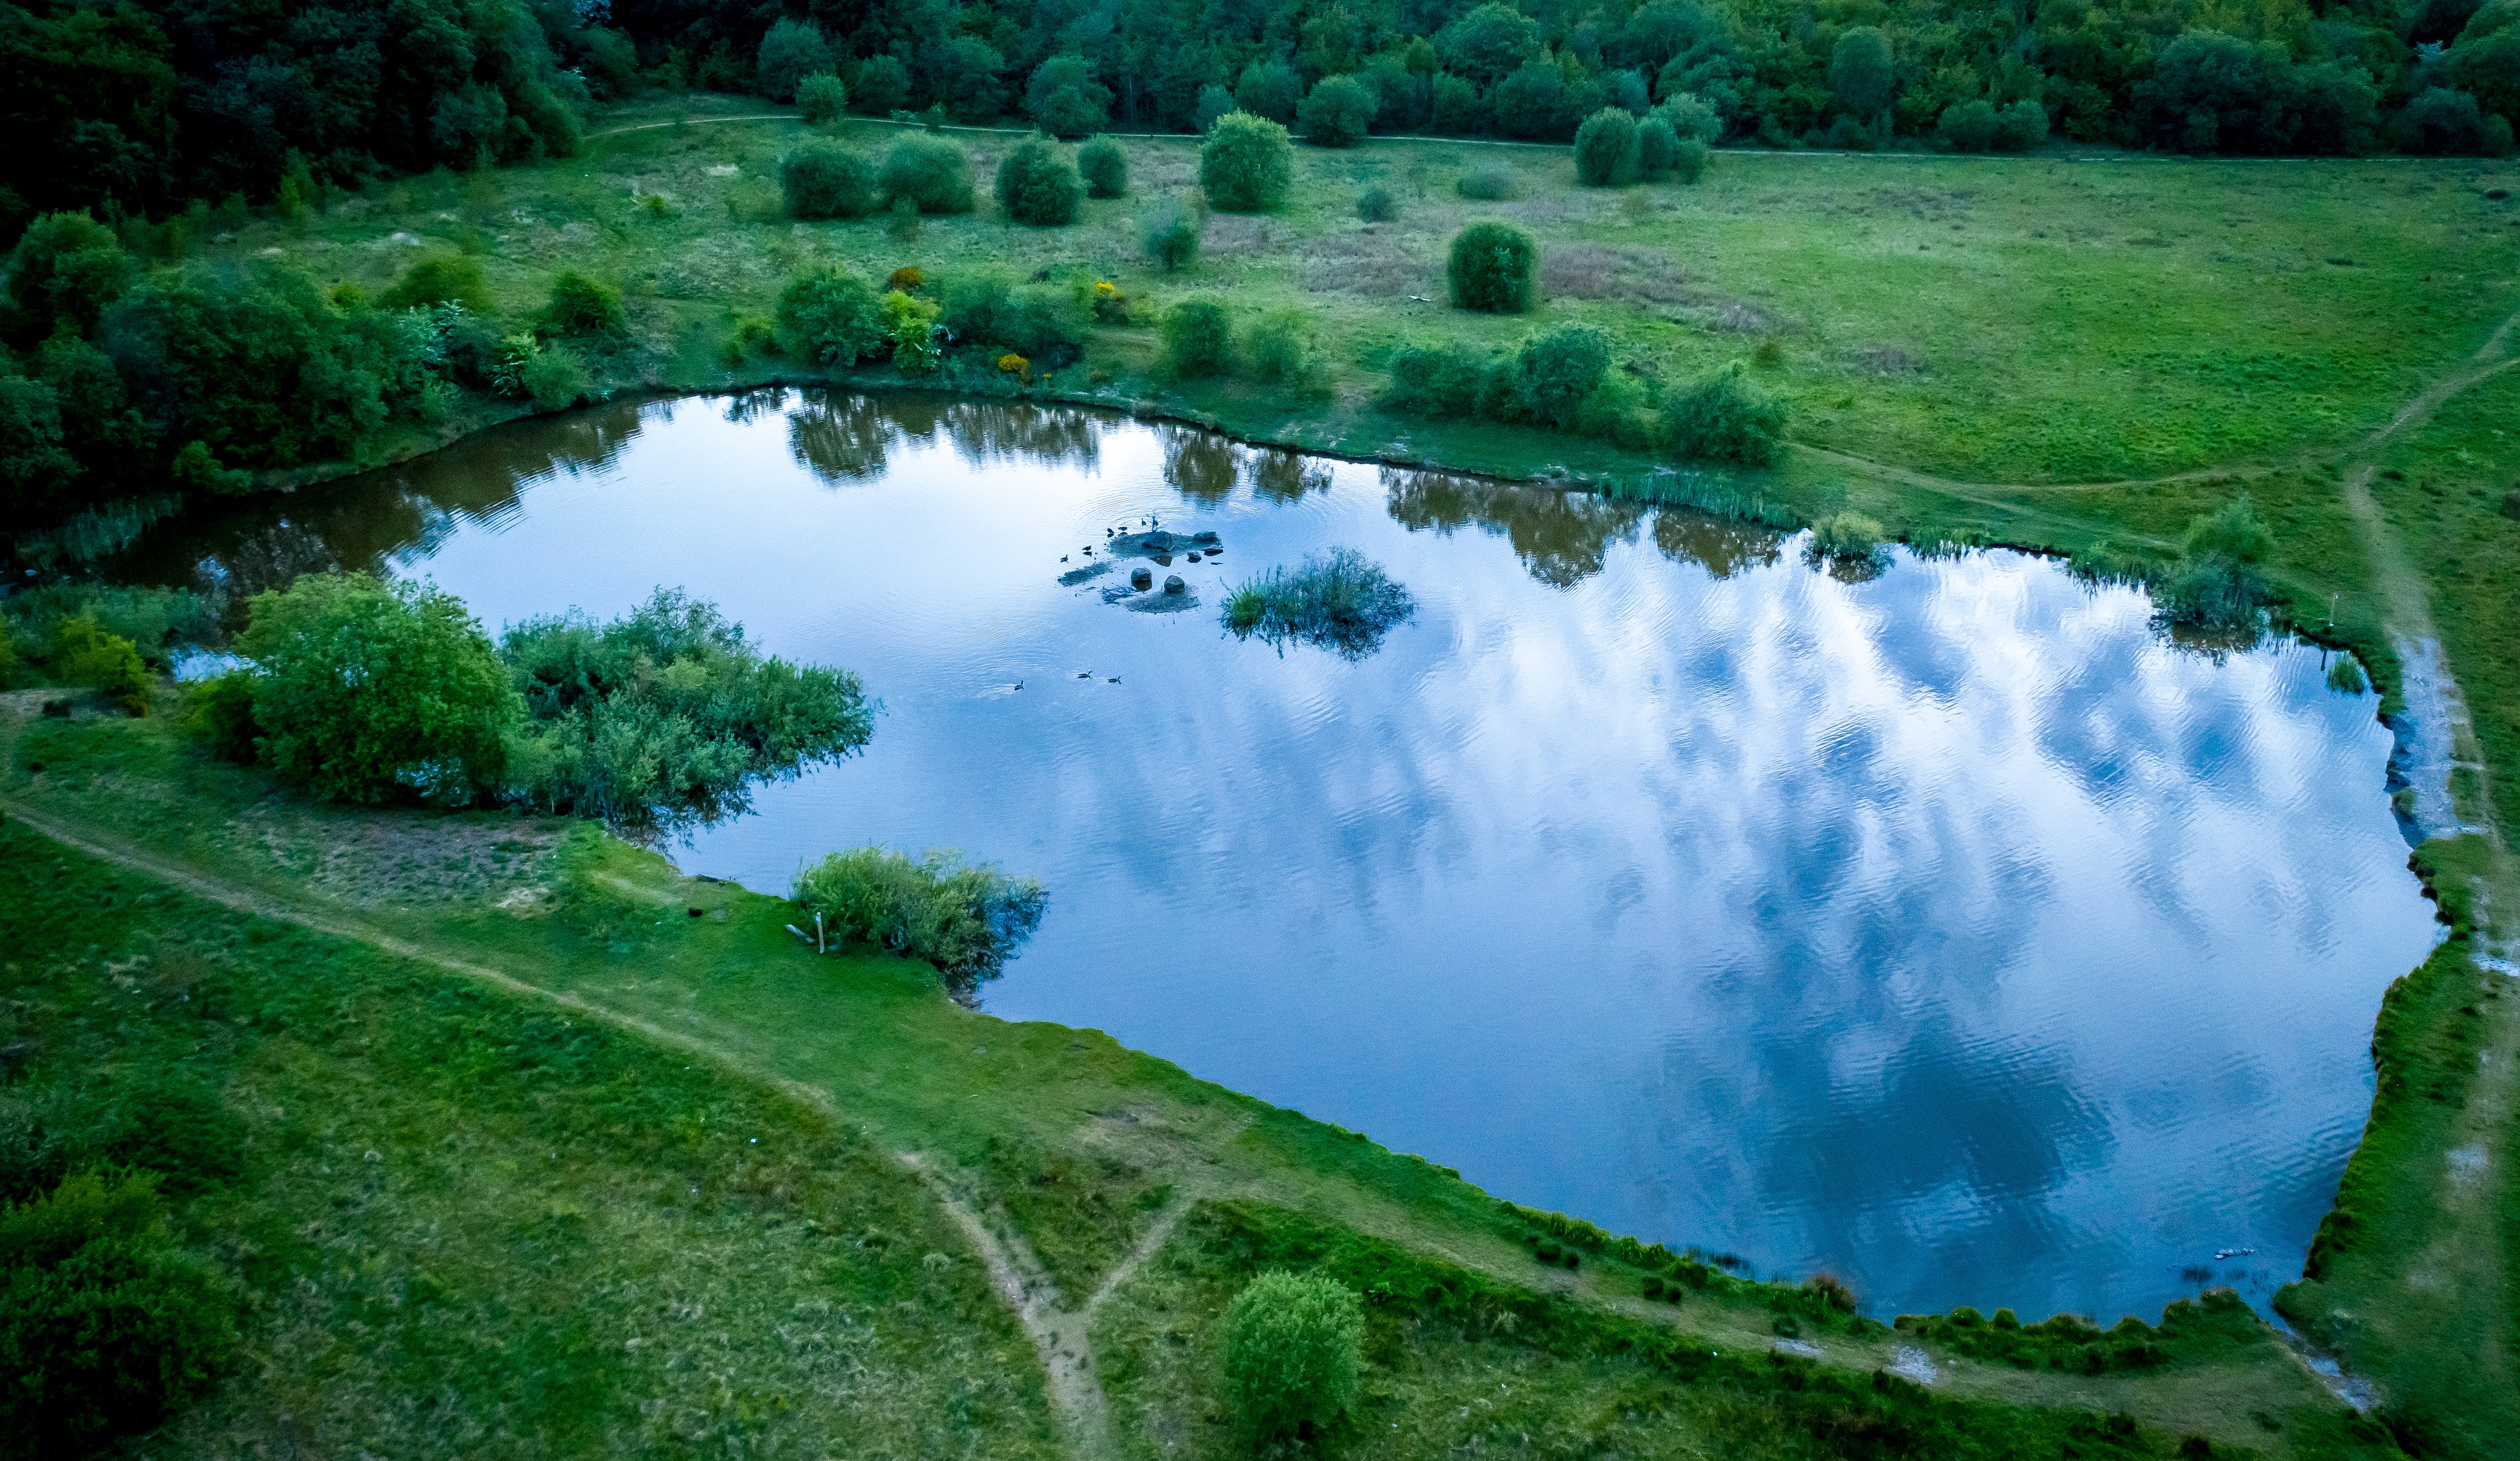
1951	930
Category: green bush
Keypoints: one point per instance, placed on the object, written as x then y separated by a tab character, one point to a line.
987	310
1170	237
966	920
107	1328
1337	111
84	653
823	99
2218	585
1688	117
220	716
1280	347
1104	166
1657	147
1605	149
1340	601
374	692
791	50
1442	379
553	377
1557	369
883	85
581	306
1723	417
933	172
1038	185
825	180
667	717
1493	268
1486	183
66	266
1977	126
1848	537
910	323
1293	1347
439	279
1376	205
1066	101
1198	339
1269	89
1246	165
827	317
1689	164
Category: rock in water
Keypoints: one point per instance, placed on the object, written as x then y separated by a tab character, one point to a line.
1142	577
1173	583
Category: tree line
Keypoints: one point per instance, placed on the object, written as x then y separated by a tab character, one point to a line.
143	107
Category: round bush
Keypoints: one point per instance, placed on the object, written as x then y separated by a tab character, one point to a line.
1968	126
825	180
1198	339
1337	111
1689	164
1606	148
1657	147
580	306
827	317
822	98
1038	185
1726	417
1486	183
1293	1345
1375	205
1104	167
1557	369
1493	268
932	172
1247	164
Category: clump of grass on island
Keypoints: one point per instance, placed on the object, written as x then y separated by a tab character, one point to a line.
1340	601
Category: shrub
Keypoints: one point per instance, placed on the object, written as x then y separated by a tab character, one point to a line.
1723	417
966	920
1493	268
1435	380
1337	111
902	227
668	716
1605	149
2233	532
826	317
1375	205
439	279
2021	126
2345	676
584	306
2442	121
220	716
1557	369
1847	538
1038	185
1170	237
552	377
1691	118
1294	1344
66	266
106	1327
910	323
1246	165
1657	147
823	99
1689	164
883	85
1280	347
1104	166
371	691
1486	183
933	172
84	653
1198	339
1968	126
1065	100
1268	89
910	279
985	308
825	180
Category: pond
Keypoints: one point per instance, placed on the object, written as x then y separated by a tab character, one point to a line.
1950	929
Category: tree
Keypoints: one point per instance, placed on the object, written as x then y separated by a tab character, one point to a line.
1066	101
1606	148
823	97
373	692
1488	44
1105	168
1269	89
933	172
1337	111
1198	339
1723	417
825	180
1213	102
1493	268
883	85
790	50
1038	185
1657	147
1860	71
1170	237
826	316
66	266
1293	1346
1247	164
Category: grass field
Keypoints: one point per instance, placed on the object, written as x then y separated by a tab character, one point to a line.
2059	352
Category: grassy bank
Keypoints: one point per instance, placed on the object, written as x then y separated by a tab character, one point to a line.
674	1156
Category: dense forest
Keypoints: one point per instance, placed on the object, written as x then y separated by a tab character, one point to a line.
144	106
